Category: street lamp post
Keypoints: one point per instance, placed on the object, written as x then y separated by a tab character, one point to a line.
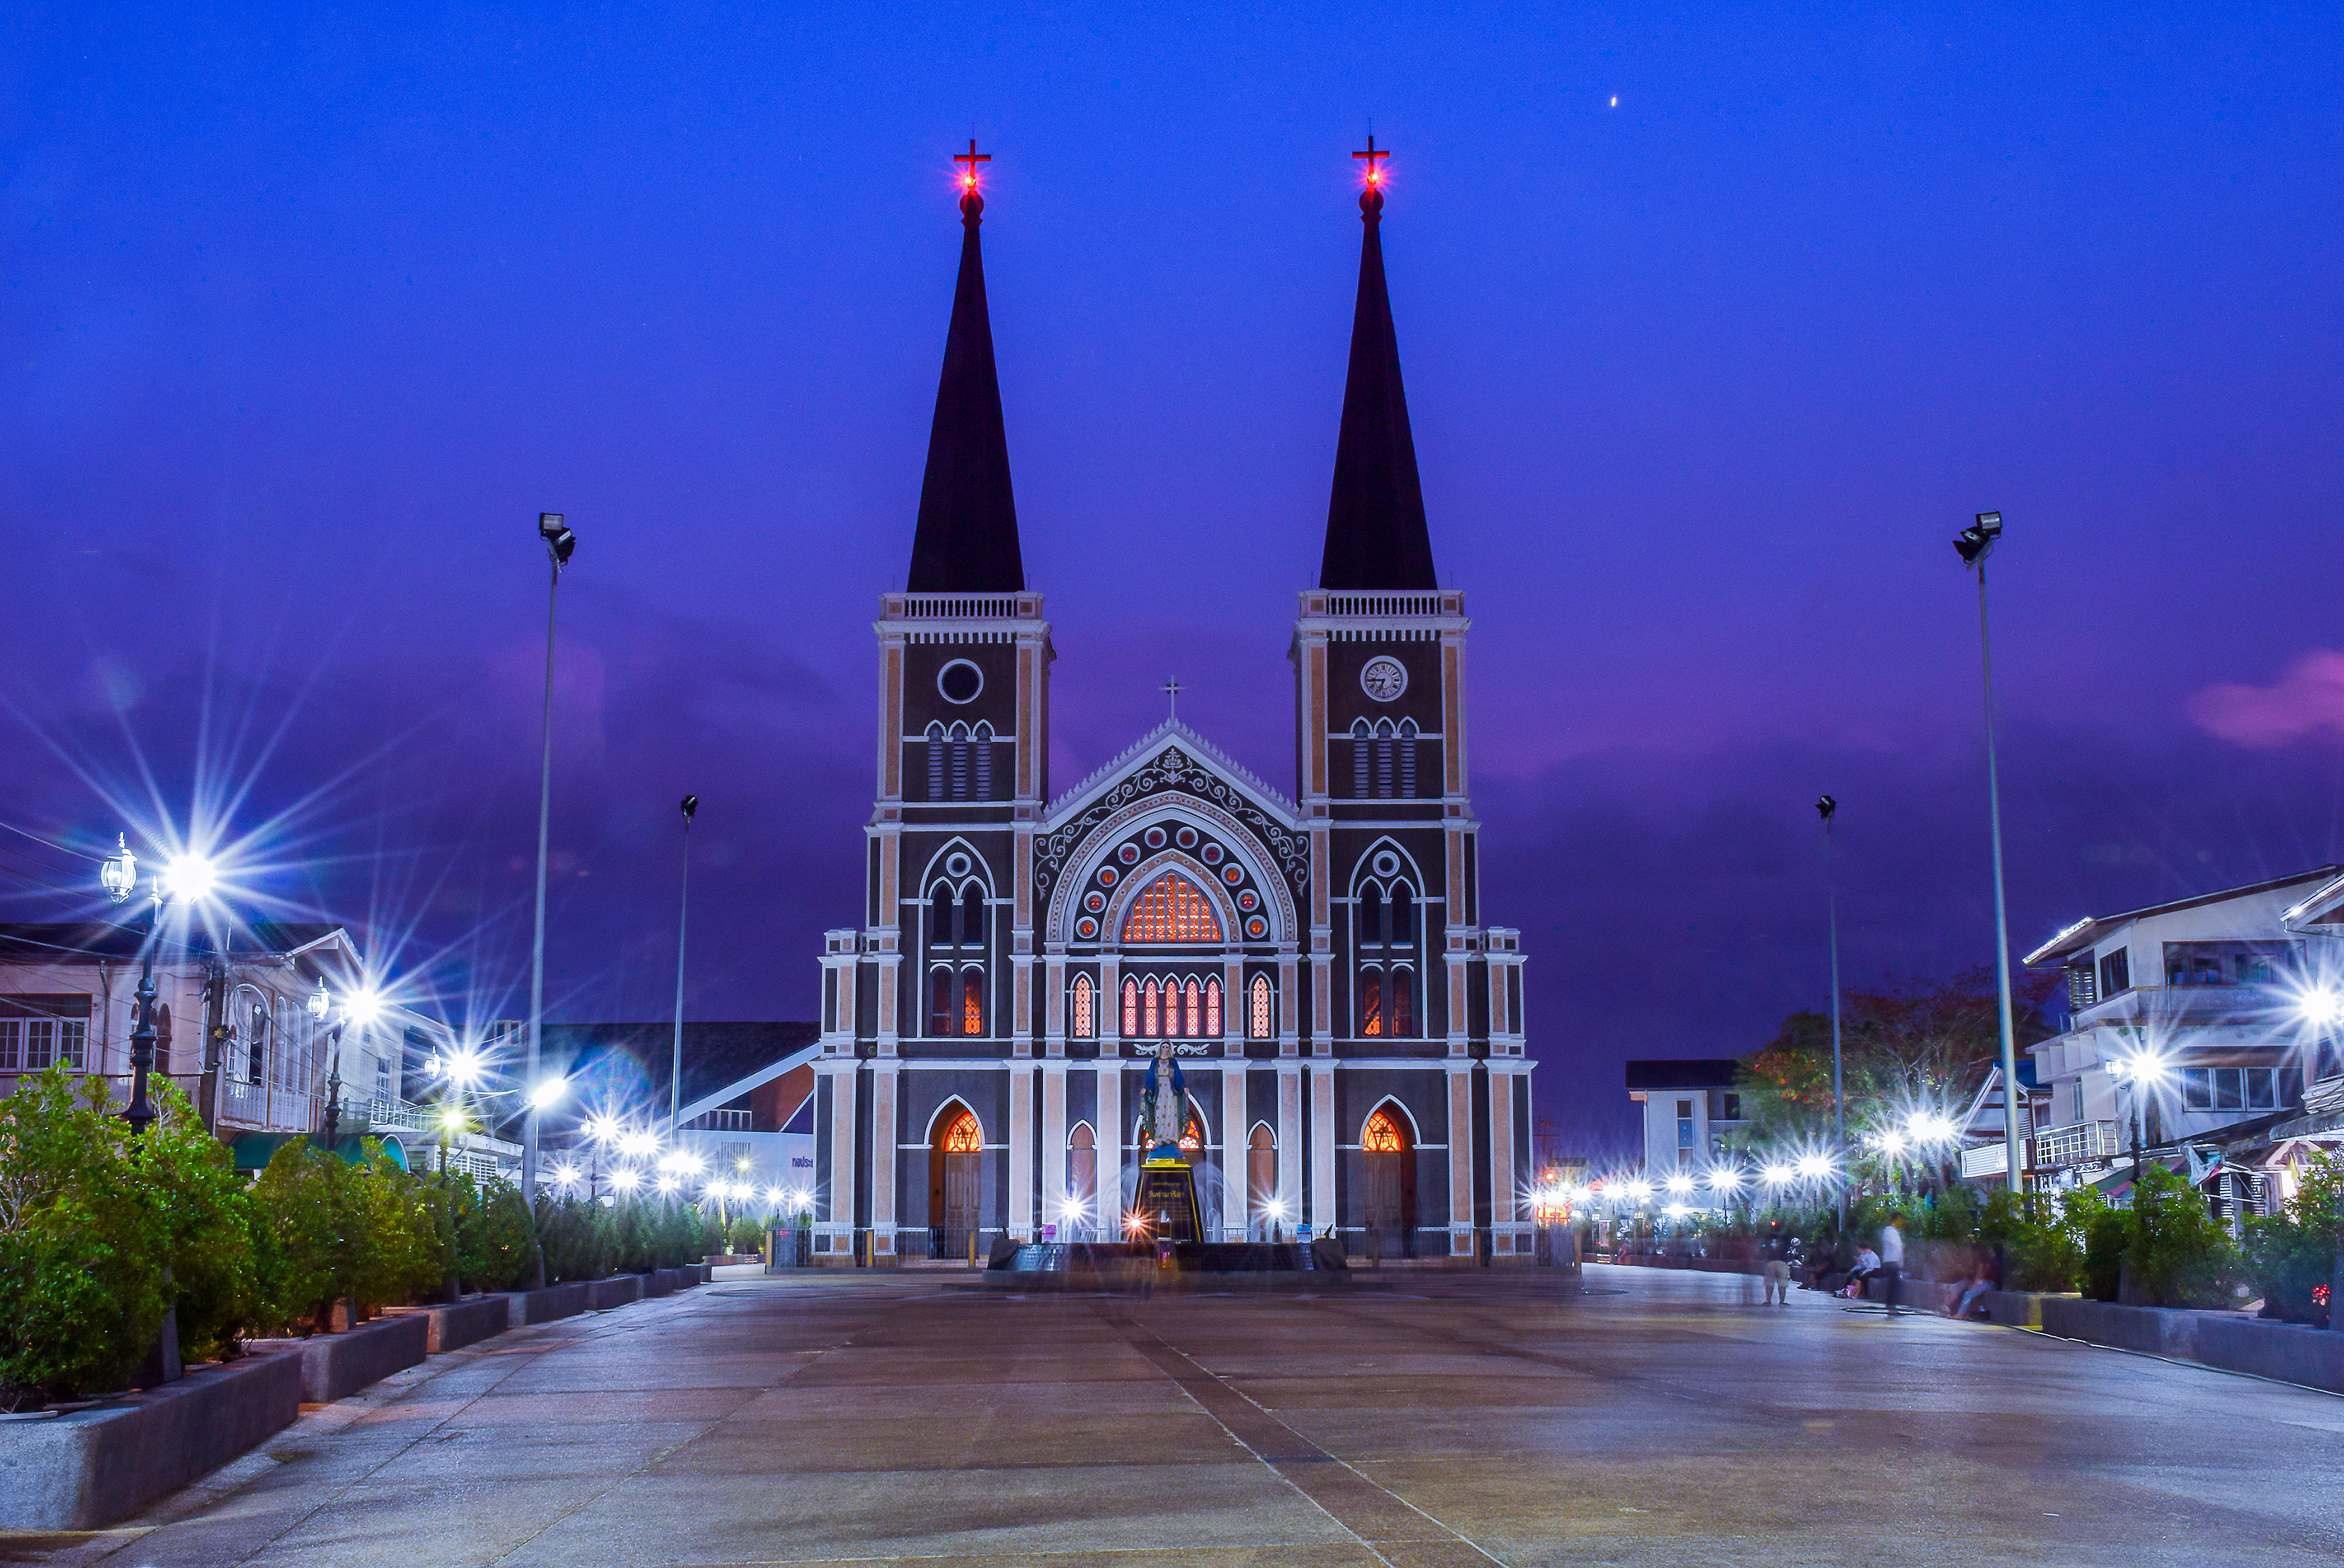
559	544
1828	807
321	1007
1976	542
120	877
684	913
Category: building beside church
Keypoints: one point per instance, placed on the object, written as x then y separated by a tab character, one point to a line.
1349	1030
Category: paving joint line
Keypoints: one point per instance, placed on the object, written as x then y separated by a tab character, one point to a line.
1197	1379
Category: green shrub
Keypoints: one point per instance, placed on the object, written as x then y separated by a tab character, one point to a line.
2179	1256
2042	1240
85	1240
213	1282
747	1234
496	1249
2108	1236
2288	1256
310	1238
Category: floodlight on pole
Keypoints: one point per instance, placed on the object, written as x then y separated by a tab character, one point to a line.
1975	543
559	543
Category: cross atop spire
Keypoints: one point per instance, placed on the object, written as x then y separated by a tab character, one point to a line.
1172	689
1376	531
968	192
966	540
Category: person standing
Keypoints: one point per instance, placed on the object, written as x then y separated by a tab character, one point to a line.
1892	1261
1774	1251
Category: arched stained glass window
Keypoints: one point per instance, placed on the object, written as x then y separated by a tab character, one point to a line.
963	1137
1084	1021
1153	997
1171	909
940	1003
971	1002
1190	1010
1372	1003
1403	1003
1262	997
1130	1010
1212	1009
1382	1135
1193	1137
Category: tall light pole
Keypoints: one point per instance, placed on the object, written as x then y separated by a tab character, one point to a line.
1976	542
684	913
1826	807
120	877
559	544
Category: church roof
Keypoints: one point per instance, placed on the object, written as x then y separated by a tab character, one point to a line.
1151	744
1375	533
966	541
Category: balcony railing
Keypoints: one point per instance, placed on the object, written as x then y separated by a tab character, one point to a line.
265	1108
2189	1001
962	606
1351	602
719	1121
2075	1145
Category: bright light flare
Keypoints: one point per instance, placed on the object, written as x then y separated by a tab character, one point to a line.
1680	1184
548	1094
1676	1211
2142	1067
191	878
667	1184
1813	1166
1725	1179
625	1181
637	1143
565	1176
463	1066
1777	1174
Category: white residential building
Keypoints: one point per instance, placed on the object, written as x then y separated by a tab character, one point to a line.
1690	1104
2204	988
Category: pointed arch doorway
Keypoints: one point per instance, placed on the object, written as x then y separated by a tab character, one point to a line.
956	1183
1388	1168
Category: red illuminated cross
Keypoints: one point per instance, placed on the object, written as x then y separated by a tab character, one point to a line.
1375	175
973	158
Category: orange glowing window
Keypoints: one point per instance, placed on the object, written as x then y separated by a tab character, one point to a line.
1130	1010
1171	909
963	1137
972	1003
1261	1008
1372	1003
1194	1138
1212	1009
1083	1024
1382	1135
1188	1011
1153	997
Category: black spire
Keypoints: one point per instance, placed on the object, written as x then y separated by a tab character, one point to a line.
1376	534
966	541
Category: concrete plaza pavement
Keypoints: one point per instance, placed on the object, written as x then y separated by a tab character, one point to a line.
1661	1417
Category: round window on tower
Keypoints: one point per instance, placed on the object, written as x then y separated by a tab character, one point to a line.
960	682
1185	838
956	866
1387	862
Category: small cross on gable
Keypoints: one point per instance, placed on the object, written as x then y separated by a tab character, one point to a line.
1172	689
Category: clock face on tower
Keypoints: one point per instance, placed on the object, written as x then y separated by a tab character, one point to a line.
1384	679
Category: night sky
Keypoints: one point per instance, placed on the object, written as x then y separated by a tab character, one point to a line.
308	313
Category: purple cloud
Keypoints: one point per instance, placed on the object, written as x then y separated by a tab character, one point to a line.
2307	698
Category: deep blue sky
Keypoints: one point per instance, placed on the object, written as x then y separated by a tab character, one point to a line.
307	314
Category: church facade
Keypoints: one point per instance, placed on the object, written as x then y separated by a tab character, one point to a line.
1349	1030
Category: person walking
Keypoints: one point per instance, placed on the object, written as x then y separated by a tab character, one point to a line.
1774	1251
1892	1261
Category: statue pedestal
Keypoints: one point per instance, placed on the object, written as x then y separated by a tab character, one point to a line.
1165	1199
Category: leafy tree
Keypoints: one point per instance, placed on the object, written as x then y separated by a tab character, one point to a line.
2041	1240
83	1243
311	1236
2179	1257
213	1282
1913	1042
495	1250
2291	1257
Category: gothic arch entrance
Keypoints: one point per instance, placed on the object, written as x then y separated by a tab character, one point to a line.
1387	1173
956	1183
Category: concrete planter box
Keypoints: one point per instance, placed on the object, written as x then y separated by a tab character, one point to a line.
85	1469
523	1307
602	1295
2287	1352
463	1323
336	1366
1921	1295
658	1283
